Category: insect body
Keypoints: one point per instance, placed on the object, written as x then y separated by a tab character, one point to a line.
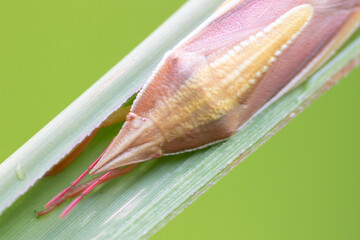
208	90
219	76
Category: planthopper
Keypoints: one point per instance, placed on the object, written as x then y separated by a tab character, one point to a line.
246	54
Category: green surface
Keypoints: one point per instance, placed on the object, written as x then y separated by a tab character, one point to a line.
302	184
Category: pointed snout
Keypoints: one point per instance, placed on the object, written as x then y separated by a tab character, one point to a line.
139	140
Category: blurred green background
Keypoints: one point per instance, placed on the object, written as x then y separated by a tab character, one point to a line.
301	184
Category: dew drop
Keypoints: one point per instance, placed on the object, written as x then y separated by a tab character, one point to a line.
20	173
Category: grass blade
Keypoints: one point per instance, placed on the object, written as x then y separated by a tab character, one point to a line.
136	205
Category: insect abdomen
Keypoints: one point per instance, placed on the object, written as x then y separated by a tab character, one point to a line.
207	106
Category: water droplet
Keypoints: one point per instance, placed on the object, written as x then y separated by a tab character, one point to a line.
20	173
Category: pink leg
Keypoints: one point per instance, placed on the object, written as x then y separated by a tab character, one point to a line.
83	189
74	183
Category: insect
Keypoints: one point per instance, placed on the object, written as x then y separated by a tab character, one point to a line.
247	53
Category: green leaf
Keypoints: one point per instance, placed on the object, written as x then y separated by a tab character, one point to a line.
136	205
